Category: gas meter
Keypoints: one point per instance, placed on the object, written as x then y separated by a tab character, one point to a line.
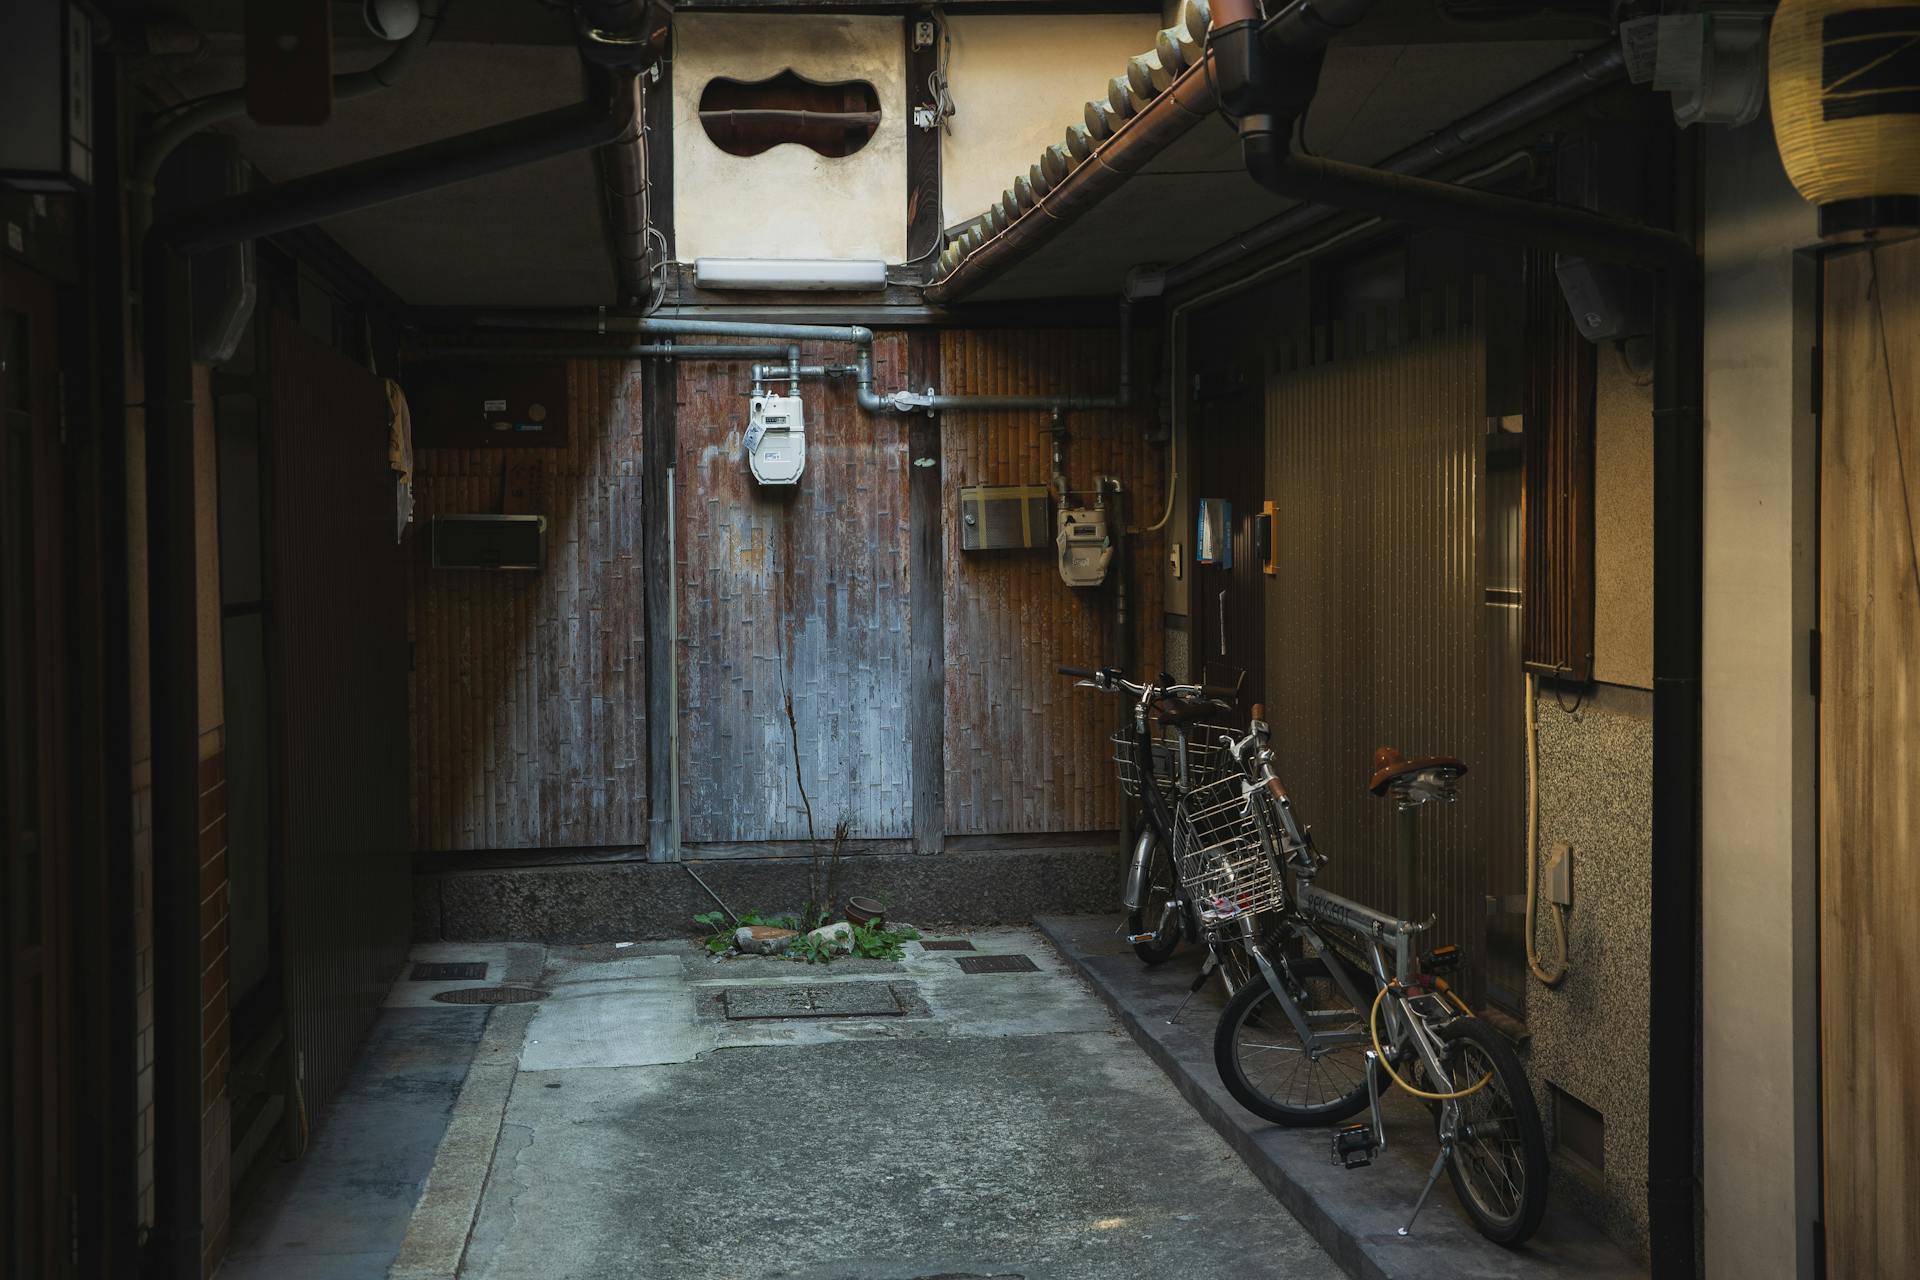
776	439
1085	548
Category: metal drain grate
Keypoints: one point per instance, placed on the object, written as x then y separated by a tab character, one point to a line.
489	995
449	971
838	1000
948	944
997	964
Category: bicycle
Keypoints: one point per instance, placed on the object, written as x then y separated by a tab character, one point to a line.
1177	773
1305	1046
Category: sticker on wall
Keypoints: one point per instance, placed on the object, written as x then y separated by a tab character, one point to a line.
1213	534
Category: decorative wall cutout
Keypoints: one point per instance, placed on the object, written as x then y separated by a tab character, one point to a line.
745	118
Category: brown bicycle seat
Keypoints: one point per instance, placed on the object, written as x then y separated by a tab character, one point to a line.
1390	765
1181	711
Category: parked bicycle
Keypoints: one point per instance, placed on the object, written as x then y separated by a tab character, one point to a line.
1175	762
1357	1008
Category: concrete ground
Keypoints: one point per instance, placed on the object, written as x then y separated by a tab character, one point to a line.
1000	1125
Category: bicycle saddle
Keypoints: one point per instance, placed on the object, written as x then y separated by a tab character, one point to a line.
1391	766
1179	711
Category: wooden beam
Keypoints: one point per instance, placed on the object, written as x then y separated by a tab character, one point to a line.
659	406
926	596
923	145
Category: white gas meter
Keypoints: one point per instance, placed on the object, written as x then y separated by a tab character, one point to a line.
776	439
1085	548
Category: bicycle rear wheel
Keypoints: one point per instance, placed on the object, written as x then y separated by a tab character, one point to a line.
1269	1071
1499	1163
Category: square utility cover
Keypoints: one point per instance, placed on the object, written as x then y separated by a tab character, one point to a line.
836	1000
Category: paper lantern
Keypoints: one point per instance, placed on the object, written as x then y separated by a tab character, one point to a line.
1844	77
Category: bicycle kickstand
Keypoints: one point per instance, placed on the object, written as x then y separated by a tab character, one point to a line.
1433	1176
1206	971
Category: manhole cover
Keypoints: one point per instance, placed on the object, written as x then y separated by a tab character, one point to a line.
997	964
489	995
837	1000
450	971
949	944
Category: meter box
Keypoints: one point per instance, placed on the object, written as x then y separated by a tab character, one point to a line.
1003	517
1085	548
776	439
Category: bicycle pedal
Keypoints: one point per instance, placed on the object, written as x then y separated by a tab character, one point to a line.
1140	937
1353	1146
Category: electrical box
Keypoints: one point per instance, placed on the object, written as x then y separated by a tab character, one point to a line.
46	96
776	439
487	403
489	542
1003	517
1263	549
1085	548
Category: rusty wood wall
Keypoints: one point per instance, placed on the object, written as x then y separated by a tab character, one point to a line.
1869	758
529	694
338	649
1378	627
804	591
1559	461
1025	750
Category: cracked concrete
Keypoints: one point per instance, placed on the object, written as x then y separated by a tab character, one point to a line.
1004	1129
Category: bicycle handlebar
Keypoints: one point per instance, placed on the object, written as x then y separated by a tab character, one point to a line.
1080	673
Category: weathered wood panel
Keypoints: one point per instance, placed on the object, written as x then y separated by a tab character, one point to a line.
1869	759
803	591
337	647
1379	629
529	691
1025	750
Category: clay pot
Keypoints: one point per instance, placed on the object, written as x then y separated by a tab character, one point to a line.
866	912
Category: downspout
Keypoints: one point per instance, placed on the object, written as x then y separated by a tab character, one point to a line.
606	116
1257	83
165	140
627	35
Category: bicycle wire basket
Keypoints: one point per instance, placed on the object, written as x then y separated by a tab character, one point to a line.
1222	856
1206	758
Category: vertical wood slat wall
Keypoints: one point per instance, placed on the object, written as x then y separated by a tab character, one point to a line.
529	689
1025	750
802	590
515	672
1869	757
1376	621
1559	460
338	649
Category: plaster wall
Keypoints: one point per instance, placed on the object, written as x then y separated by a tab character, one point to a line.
790	201
1017	83
1759	1013
1590	1033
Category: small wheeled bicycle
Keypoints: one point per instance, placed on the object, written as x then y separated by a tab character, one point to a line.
1357	1008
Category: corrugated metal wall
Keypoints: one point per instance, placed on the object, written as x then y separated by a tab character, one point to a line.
803	590
1025	750
1379	627
529	702
339	650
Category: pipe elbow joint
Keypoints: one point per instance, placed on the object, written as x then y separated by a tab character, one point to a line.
1263	148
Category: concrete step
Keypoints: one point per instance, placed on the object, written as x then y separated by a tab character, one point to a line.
1354	1214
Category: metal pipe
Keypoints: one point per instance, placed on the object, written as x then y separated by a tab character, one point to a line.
791	373
1592	70
624	41
605	117
650	350
858	336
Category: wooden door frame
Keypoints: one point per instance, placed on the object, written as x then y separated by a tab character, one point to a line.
33	613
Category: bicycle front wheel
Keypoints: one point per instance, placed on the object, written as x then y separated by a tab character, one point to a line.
1499	1163
1267	1068
1161	886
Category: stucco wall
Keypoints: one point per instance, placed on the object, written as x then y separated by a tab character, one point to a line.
1590	1033
1017	84
790	201
1759	1010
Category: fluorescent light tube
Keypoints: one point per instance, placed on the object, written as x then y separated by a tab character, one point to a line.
790	273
